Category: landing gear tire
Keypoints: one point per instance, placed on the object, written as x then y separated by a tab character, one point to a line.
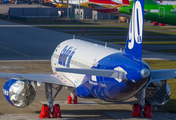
136	112
45	112
148	111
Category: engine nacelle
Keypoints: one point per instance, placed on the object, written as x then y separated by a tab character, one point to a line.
158	93
19	93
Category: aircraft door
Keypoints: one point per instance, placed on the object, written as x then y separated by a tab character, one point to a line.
161	12
103	66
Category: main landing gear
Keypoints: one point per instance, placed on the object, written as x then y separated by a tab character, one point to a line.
141	107
46	110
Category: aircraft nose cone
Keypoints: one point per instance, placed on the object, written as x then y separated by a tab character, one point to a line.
145	73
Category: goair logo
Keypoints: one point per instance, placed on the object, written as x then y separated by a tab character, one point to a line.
66	56
136	25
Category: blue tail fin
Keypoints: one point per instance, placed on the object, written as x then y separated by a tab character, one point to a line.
135	33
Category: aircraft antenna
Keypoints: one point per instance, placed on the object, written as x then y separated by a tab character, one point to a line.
106	44
120	49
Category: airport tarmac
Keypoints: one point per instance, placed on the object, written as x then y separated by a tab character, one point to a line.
25	42
94	115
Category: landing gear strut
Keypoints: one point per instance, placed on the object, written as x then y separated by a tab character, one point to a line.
141	107
46	110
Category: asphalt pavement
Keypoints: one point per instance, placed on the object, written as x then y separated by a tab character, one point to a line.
25	42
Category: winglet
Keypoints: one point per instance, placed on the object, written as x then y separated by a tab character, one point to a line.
135	33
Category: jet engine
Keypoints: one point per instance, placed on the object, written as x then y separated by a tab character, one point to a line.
19	93
158	93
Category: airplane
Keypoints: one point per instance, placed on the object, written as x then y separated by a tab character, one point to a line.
155	11
90	70
54	3
105	6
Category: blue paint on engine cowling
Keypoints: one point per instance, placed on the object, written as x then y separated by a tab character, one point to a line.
6	89
19	93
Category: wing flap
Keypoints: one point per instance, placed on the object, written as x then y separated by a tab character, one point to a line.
54	79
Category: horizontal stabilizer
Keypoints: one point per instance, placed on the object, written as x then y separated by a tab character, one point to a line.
157	75
96	72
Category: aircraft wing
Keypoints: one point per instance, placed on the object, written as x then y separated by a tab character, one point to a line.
157	75
55	79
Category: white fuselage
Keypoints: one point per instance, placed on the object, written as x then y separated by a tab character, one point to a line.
85	55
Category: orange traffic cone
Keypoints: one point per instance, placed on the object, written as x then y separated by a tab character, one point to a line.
44	112
56	111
